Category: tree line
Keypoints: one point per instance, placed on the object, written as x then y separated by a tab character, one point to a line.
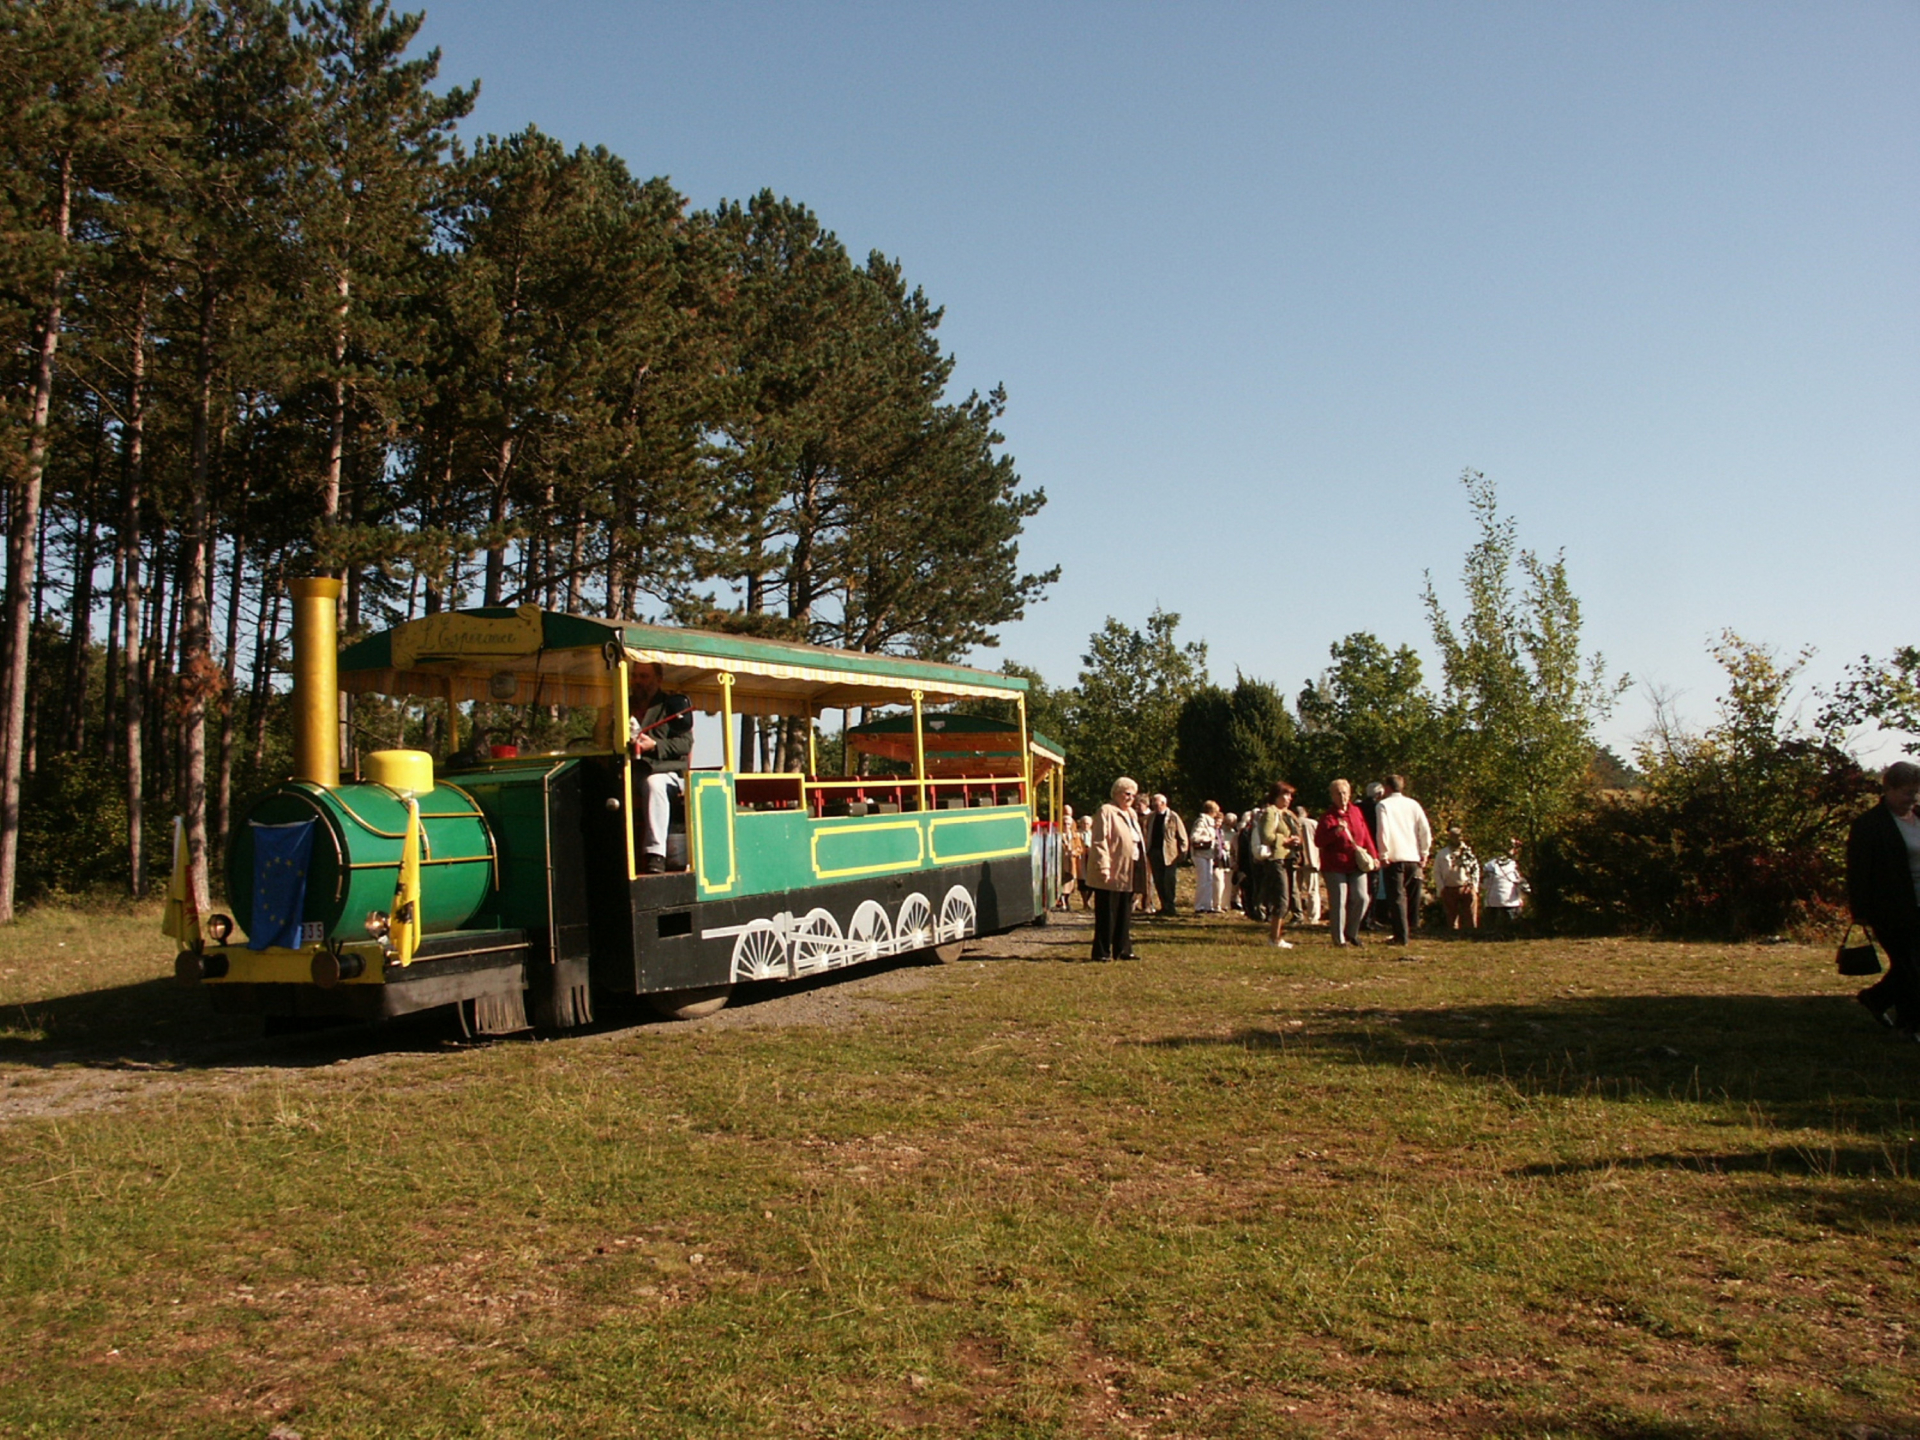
1736	829
270	316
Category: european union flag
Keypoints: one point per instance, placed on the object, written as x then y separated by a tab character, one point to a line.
280	855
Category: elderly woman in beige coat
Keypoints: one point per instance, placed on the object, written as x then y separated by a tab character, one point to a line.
1115	860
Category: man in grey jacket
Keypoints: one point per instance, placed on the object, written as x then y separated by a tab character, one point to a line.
1167	846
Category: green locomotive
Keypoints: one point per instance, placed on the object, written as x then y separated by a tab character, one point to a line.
516	888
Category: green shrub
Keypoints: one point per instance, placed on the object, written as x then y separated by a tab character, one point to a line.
1739	832
73	827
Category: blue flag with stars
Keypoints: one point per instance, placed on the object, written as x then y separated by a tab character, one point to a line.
280	855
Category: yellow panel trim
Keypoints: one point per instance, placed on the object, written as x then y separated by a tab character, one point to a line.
828	827
699	828
1000	813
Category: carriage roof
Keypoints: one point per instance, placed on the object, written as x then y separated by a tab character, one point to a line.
534	656
949	741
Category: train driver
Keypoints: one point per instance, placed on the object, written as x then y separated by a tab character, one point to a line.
660	743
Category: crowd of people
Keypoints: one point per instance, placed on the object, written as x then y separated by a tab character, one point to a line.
1364	866
1360	867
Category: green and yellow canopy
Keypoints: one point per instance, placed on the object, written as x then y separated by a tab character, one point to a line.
531	656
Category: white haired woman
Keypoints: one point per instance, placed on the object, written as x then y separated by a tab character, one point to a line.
1206	837
1347	854
1115	860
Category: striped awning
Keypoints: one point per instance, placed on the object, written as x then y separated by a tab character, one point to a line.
534	657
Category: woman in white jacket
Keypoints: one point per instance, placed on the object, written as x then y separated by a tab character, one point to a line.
1205	839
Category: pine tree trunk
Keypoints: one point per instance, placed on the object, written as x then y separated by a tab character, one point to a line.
198	676
154	668
577	560
20	579
437	598
110	681
80	652
497	518
266	645
223	786
132	650
80	616
337	416
169	776
36	701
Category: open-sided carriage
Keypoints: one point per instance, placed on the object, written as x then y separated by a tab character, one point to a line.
514	886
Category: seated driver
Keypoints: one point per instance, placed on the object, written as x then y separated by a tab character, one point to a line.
660	742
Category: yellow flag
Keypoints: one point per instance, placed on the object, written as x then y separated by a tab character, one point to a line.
181	919
404	927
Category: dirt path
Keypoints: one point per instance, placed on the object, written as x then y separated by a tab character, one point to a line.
64	1083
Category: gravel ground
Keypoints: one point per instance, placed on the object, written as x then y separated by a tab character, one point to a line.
62	1084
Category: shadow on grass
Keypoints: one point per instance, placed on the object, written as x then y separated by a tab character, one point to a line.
1607	1426
162	1025
1815	1067
1794	1062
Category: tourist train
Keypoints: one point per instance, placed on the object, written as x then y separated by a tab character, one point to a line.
513	886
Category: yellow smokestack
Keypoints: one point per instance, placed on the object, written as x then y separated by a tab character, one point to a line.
316	681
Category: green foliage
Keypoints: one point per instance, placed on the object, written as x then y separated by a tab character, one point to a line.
1519	701
1739	831
73	828
1046	707
1369	715
1884	693
1607	771
1123	716
1233	744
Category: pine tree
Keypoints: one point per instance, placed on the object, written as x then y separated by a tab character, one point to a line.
68	93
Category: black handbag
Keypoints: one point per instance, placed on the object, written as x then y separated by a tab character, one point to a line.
1857	959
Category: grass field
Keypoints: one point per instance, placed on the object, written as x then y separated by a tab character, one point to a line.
1590	1188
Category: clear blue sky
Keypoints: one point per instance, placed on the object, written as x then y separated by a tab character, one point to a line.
1261	279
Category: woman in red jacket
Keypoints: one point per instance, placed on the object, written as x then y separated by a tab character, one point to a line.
1343	837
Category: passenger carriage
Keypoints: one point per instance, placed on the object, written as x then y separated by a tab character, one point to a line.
512	887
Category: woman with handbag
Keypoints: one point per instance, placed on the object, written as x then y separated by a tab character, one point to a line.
1205	838
1280	840
1347	856
1883	892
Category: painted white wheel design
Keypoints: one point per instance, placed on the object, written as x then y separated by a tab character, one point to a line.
759	953
816	943
957	916
914	929
869	933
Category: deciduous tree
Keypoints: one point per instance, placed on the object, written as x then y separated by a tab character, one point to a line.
1123	717
1519	698
1368	715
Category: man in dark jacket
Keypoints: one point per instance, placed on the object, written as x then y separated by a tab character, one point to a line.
1883	891
1244	845
660	740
